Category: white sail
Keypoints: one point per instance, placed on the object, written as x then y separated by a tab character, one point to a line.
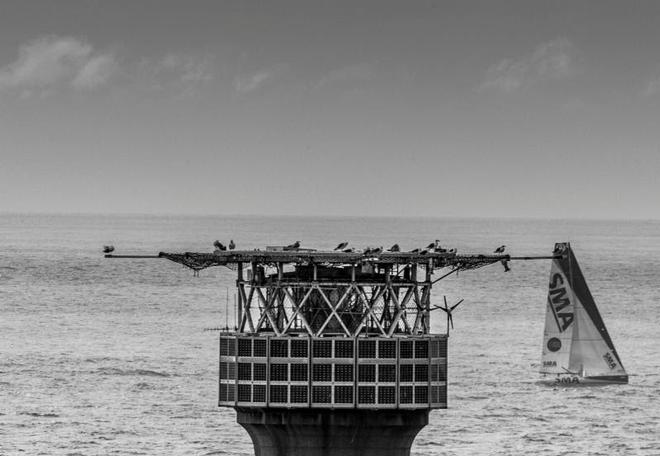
559	323
576	341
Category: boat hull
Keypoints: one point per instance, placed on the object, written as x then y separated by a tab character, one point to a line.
569	379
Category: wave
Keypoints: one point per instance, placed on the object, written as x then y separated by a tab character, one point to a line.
136	372
40	415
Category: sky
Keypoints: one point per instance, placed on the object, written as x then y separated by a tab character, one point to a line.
418	108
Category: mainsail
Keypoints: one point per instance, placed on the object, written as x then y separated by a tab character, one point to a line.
575	340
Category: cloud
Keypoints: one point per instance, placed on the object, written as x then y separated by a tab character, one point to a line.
653	87
53	62
359	72
96	72
250	82
551	60
182	73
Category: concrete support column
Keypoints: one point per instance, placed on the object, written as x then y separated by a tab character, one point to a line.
305	432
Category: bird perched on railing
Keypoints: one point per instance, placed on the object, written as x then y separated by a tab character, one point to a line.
342	246
219	245
500	249
108	248
232	246
294	246
394	248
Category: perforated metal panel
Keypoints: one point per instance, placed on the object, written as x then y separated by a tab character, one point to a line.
333	372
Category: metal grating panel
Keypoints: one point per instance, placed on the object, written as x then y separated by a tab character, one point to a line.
343	394
421	349
387	395
231	347
322	372
435	348
421	394
366	394
406	349
443	348
244	371
223	346
322	348
367	349
279	348
279	393
260	348
387	373
406	373
367	373
258	393
343	348
279	372
259	372
244	347
322	394
299	348
298	372
244	393
387	349
298	394
421	372
406	394
343	373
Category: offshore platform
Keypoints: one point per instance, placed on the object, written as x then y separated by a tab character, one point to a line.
333	353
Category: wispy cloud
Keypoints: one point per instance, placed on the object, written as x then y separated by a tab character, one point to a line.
53	62
245	83
551	60
359	72
653	88
180	72
251	82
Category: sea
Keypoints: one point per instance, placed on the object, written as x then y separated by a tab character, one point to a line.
120	356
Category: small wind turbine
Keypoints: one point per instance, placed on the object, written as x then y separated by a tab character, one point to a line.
448	310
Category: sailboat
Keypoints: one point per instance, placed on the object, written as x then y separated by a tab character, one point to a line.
577	349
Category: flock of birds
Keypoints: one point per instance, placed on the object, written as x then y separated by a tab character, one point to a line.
343	247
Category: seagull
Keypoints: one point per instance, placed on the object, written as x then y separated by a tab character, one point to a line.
432	245
348	250
500	249
342	246
452	250
293	246
505	263
108	248
424	252
232	246
219	246
377	251
367	251
394	248
414	251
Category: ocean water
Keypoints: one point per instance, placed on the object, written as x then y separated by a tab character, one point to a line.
101	356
